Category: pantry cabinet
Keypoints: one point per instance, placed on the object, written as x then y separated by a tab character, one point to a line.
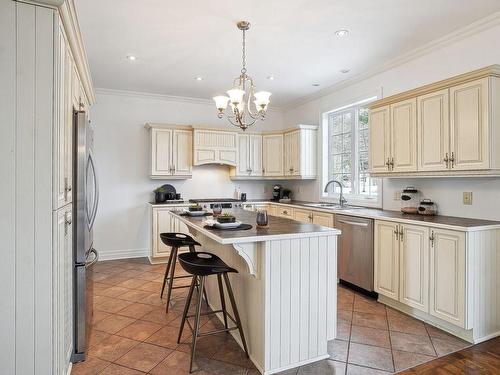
272	155
457	122
447	276
171	152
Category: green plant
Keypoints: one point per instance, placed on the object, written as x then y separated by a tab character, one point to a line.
160	189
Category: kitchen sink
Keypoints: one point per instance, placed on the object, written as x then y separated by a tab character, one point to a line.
332	206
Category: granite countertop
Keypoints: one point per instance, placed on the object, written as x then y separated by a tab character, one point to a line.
279	228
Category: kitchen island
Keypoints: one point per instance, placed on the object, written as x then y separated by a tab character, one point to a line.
286	288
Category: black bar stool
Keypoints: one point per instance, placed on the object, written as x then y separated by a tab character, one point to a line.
175	241
201	265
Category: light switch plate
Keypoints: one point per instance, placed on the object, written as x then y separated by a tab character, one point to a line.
397	195
467	197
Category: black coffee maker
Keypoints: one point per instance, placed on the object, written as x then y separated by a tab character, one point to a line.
277	189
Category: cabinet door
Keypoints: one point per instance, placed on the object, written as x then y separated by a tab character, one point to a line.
182	151
272	210
414	267
286	212
303	216
255	154
273	155
404	136
161	152
380	139
291	150
386	272
433	130
243	161
470	125
447	276
323	219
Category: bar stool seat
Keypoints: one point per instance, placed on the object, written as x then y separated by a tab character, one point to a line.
201	265
175	241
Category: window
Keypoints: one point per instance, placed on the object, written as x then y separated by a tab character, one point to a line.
346	154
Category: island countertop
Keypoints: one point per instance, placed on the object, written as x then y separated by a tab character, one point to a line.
279	228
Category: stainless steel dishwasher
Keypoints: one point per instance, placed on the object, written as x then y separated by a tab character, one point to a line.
355	251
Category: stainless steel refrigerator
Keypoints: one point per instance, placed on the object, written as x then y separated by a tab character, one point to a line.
85	202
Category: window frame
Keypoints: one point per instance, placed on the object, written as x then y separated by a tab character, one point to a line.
331	196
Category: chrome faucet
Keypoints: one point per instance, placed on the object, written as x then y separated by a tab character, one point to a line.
342	200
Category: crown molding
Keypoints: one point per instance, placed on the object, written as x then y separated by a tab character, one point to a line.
462	33
169	98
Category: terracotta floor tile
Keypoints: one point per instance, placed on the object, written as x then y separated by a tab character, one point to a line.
166	337
450	345
99	276
99	315
112	305
114	369
90	367
113	280
206	346
132	283
368	305
113	323
136	310
143	357
412	343
229	351
149	276
134	295
130	274
370	356
404	323
151	286
370	336
405	360
100	288
97	336
344	315
112	348
154	299
369	320
158	315
337	349
343	330
343	305
360	370
115	291
139	330
324	367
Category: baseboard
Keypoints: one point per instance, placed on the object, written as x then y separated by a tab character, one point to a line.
123	254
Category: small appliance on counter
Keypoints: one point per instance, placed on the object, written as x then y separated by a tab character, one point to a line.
286	196
167	194
243	197
427	207
277	192
410	198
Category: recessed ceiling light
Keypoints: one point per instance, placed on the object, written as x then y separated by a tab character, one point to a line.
342	33
315	84
271	78
198	78
131	57
344	71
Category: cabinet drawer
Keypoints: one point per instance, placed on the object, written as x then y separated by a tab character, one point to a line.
285	212
323	219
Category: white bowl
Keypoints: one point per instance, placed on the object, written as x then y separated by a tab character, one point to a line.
236	224
195	213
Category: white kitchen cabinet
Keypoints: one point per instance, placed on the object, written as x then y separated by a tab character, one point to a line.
272	155
286	212
448	276
469	125
303	216
291	151
171	152
249	162
63	289
433	131
414	266
386	267
163	222
403	136
215	147
321	218
300	152
380	139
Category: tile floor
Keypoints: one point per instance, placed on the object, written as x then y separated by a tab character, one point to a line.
133	335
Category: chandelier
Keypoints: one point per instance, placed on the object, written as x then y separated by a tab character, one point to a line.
242	115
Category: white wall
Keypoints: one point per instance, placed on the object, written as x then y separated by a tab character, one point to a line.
473	52
121	151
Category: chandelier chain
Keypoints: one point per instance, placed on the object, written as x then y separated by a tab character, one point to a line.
244	68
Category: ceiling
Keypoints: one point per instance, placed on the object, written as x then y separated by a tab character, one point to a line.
293	40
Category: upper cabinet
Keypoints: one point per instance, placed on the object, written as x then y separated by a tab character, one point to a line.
215	146
249	161
272	154
450	127
171	152
299	152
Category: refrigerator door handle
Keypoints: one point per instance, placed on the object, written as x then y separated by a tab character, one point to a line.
93	212
93	261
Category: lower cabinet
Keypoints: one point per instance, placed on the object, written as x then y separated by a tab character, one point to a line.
162	222
423	268
286	212
318	218
447	276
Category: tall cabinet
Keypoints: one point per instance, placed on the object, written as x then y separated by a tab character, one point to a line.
46	61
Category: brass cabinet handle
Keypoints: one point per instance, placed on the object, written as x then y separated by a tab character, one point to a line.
452	160
396	232
446	160
401	233
388	163
392	164
432	238
310	217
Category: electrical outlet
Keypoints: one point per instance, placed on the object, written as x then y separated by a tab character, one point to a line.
397	195
467	197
